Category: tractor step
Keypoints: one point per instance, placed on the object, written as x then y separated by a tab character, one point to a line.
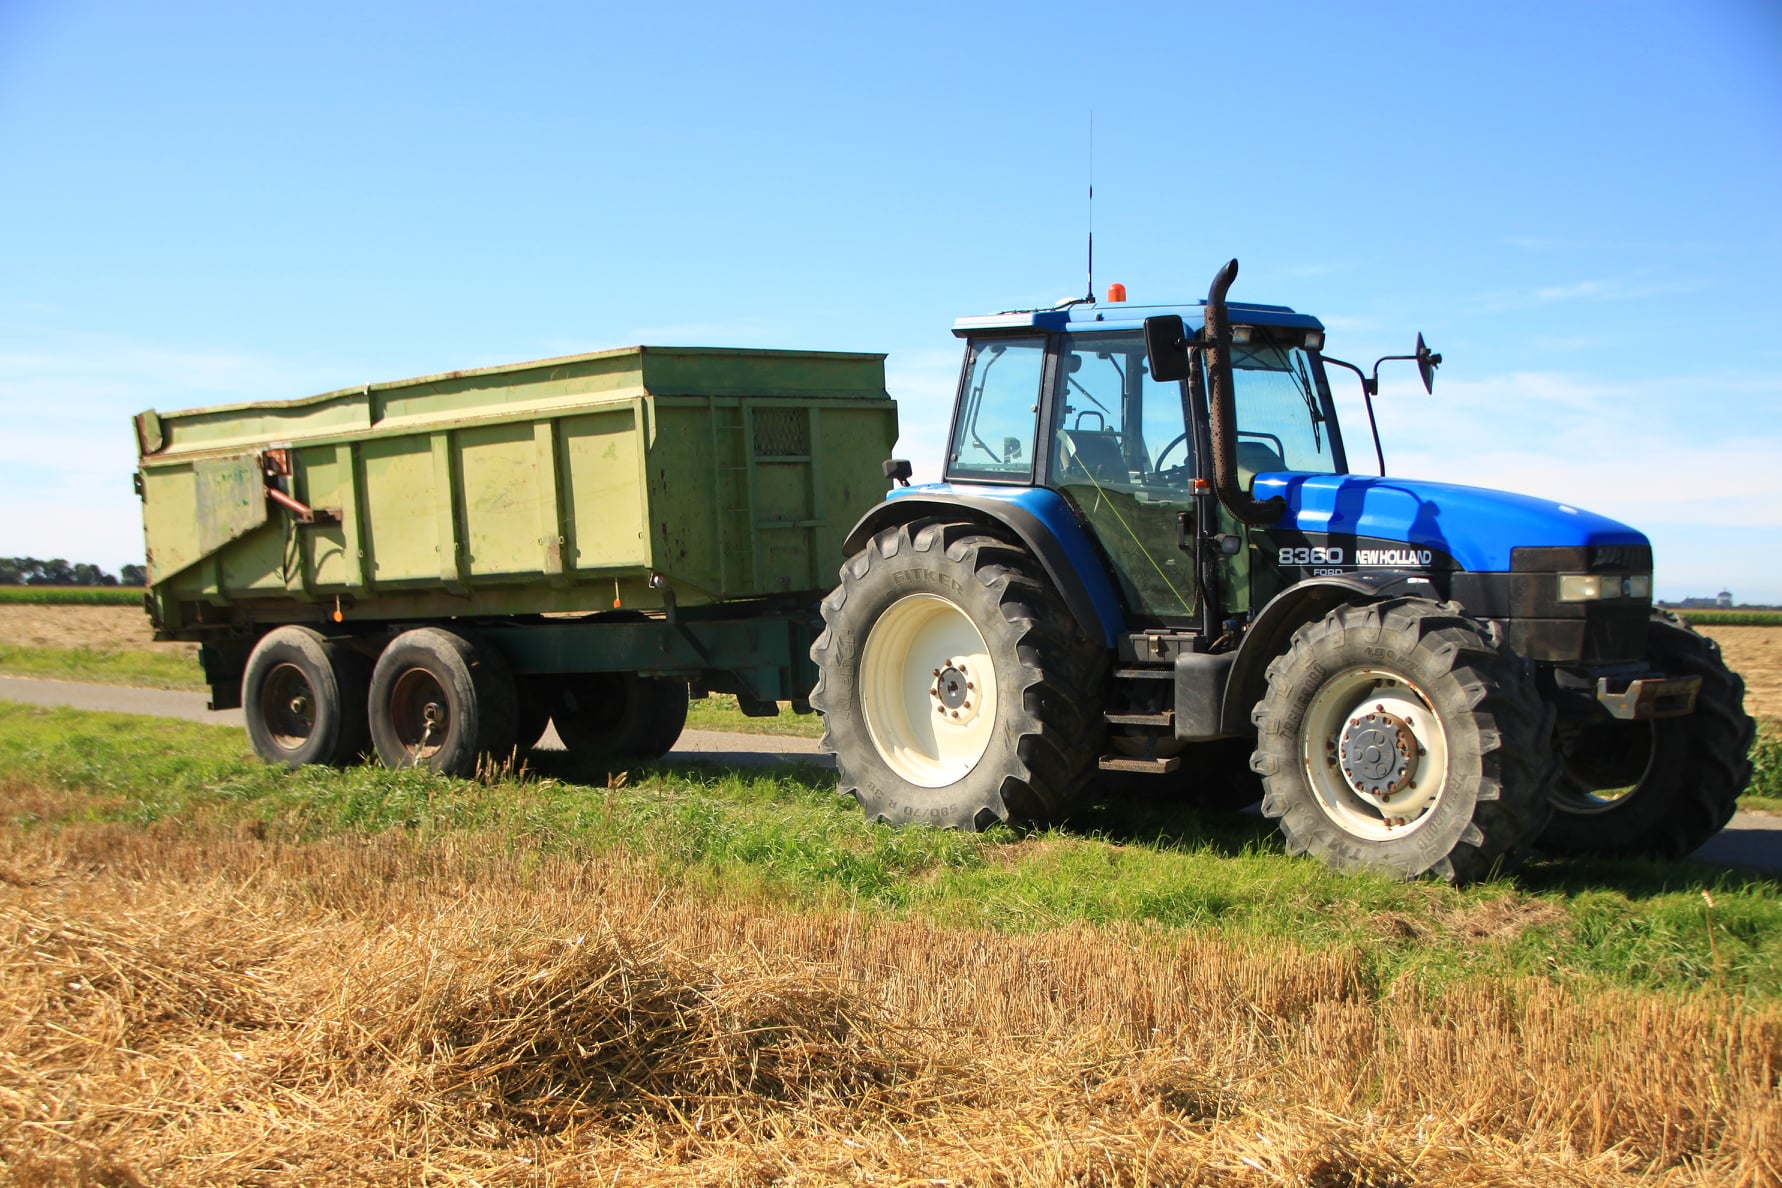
1141	766
1164	718
1145	674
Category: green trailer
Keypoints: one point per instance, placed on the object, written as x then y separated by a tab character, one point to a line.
438	567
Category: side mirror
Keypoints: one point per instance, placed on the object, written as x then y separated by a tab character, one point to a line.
1427	362
1166	346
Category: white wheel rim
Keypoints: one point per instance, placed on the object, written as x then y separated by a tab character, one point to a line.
927	690
1355	720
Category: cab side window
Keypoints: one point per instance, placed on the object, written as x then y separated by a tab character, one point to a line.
994	432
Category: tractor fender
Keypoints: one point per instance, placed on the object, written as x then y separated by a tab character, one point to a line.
1286	613
1039	519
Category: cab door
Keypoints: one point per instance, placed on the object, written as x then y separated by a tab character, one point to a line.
1119	450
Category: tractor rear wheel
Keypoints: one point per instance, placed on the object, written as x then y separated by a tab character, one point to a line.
1396	736
1656	789
955	686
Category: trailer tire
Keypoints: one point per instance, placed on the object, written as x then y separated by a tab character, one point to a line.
620	715
442	699
955	686
303	699
1682	776
1367	698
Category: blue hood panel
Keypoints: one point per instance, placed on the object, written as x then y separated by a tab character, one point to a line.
1475	526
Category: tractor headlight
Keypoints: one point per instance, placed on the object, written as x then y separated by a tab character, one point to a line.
1580	587
1592	587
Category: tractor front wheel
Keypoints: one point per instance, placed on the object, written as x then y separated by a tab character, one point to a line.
1396	736
1656	789
955	687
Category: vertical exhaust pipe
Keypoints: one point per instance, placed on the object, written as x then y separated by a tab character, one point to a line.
1222	412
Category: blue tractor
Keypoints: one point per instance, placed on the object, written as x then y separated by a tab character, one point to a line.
1150	556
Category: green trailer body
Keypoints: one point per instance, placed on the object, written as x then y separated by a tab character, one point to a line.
698	485
618	478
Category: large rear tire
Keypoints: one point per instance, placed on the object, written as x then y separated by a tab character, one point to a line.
620	715
303	698
440	699
955	686
1656	789
1397	737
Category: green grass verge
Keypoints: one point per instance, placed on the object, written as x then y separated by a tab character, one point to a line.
72	595
169	670
144	669
719	712
782	835
1764	794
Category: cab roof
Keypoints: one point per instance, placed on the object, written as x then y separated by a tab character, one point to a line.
1118	315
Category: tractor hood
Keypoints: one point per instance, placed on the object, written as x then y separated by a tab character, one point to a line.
1475	526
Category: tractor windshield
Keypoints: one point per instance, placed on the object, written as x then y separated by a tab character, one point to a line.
1284	416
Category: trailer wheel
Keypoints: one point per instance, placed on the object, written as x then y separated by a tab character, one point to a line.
955	687
620	715
440	699
303	697
1656	789
1398	737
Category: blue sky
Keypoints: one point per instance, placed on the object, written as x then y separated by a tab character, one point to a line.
1576	203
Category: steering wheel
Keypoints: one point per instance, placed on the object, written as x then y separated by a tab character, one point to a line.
1175	441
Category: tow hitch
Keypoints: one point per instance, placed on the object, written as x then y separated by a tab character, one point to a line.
1648	697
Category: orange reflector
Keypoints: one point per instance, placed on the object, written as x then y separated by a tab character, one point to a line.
1116	292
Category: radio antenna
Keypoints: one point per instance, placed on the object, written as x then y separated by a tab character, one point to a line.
1091	297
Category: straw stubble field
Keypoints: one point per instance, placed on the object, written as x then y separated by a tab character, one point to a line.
230	1009
186	1001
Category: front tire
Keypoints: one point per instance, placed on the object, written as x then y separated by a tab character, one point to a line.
955	687
1397	737
1656	789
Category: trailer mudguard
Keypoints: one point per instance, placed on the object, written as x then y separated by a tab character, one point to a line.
1286	613
1039	518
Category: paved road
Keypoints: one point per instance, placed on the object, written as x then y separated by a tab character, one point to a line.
709	745
1753	841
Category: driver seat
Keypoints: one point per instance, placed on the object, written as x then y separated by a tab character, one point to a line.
1094	453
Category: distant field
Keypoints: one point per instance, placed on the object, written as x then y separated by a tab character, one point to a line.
1731	618
72	595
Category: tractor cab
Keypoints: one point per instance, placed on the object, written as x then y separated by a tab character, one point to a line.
1064	400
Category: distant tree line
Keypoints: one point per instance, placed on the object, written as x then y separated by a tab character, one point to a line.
29	571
